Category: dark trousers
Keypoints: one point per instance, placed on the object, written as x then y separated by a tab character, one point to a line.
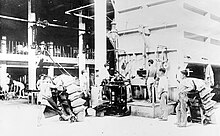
54	105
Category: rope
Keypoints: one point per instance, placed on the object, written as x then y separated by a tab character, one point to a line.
59	66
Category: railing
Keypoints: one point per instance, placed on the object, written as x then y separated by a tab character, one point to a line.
90	54
63	51
71	52
16	47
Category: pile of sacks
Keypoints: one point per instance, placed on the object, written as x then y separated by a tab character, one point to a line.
75	93
77	103
208	103
206	97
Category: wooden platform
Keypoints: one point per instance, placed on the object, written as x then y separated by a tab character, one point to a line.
145	109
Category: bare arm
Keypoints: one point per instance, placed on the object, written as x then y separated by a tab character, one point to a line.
186	85
187	89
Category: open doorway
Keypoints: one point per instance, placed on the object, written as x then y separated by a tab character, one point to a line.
216	70
196	70
216	87
18	73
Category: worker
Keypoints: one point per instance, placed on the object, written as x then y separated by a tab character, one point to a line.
19	88
41	79
163	94
151	75
84	82
6	86
92	80
20	49
186	85
42	47
45	98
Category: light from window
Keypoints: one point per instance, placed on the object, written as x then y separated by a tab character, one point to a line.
195	36
160	2
130	9
214	17
194	9
214	41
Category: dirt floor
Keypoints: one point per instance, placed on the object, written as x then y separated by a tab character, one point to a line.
17	118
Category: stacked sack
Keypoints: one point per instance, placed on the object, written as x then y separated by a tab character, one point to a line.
206	97
77	103
208	103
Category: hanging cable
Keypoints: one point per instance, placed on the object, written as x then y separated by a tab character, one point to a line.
59	66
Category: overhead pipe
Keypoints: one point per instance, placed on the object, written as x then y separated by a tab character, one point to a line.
82	7
83	16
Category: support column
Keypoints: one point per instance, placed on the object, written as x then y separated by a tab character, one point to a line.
81	55
3	45
51	68
3	71
3	68
31	52
100	40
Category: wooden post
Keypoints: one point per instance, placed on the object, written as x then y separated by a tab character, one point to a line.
3	45
9	47
3	67
81	55
3	75
71	52
31	52
51	68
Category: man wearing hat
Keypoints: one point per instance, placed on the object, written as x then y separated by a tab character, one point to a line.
186	85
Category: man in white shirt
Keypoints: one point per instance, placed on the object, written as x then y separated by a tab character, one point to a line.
19	88
6	85
186	85
45	98
162	94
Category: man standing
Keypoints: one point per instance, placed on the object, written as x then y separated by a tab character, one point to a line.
84	82
6	86
186	85
162	94
151	74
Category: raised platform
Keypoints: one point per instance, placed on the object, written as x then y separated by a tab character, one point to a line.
145	109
